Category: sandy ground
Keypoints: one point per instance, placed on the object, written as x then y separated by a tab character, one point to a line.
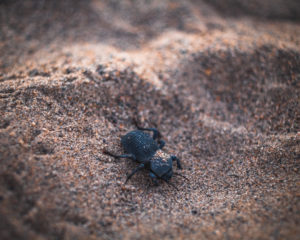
219	79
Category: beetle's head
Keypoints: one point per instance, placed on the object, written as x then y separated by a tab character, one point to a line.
162	167
167	176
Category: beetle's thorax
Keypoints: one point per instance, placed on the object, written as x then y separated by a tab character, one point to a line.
161	154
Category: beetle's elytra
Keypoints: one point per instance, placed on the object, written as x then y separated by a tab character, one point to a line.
147	151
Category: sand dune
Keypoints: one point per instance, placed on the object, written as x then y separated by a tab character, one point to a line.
219	79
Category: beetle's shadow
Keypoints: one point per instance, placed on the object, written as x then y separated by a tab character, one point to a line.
162	189
151	190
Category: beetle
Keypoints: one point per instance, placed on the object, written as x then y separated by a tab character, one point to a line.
147	151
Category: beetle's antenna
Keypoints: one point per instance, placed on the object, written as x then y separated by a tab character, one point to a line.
171	184
176	173
108	153
135	122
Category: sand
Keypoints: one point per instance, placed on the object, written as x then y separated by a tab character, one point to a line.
219	79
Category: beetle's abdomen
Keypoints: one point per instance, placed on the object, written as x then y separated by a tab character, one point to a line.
139	144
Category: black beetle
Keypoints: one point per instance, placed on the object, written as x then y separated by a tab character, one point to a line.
147	150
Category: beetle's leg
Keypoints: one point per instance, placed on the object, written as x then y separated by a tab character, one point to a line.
171	184
174	158
154	178
131	156
161	144
156	133
140	167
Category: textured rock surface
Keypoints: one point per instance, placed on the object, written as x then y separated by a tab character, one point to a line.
220	81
